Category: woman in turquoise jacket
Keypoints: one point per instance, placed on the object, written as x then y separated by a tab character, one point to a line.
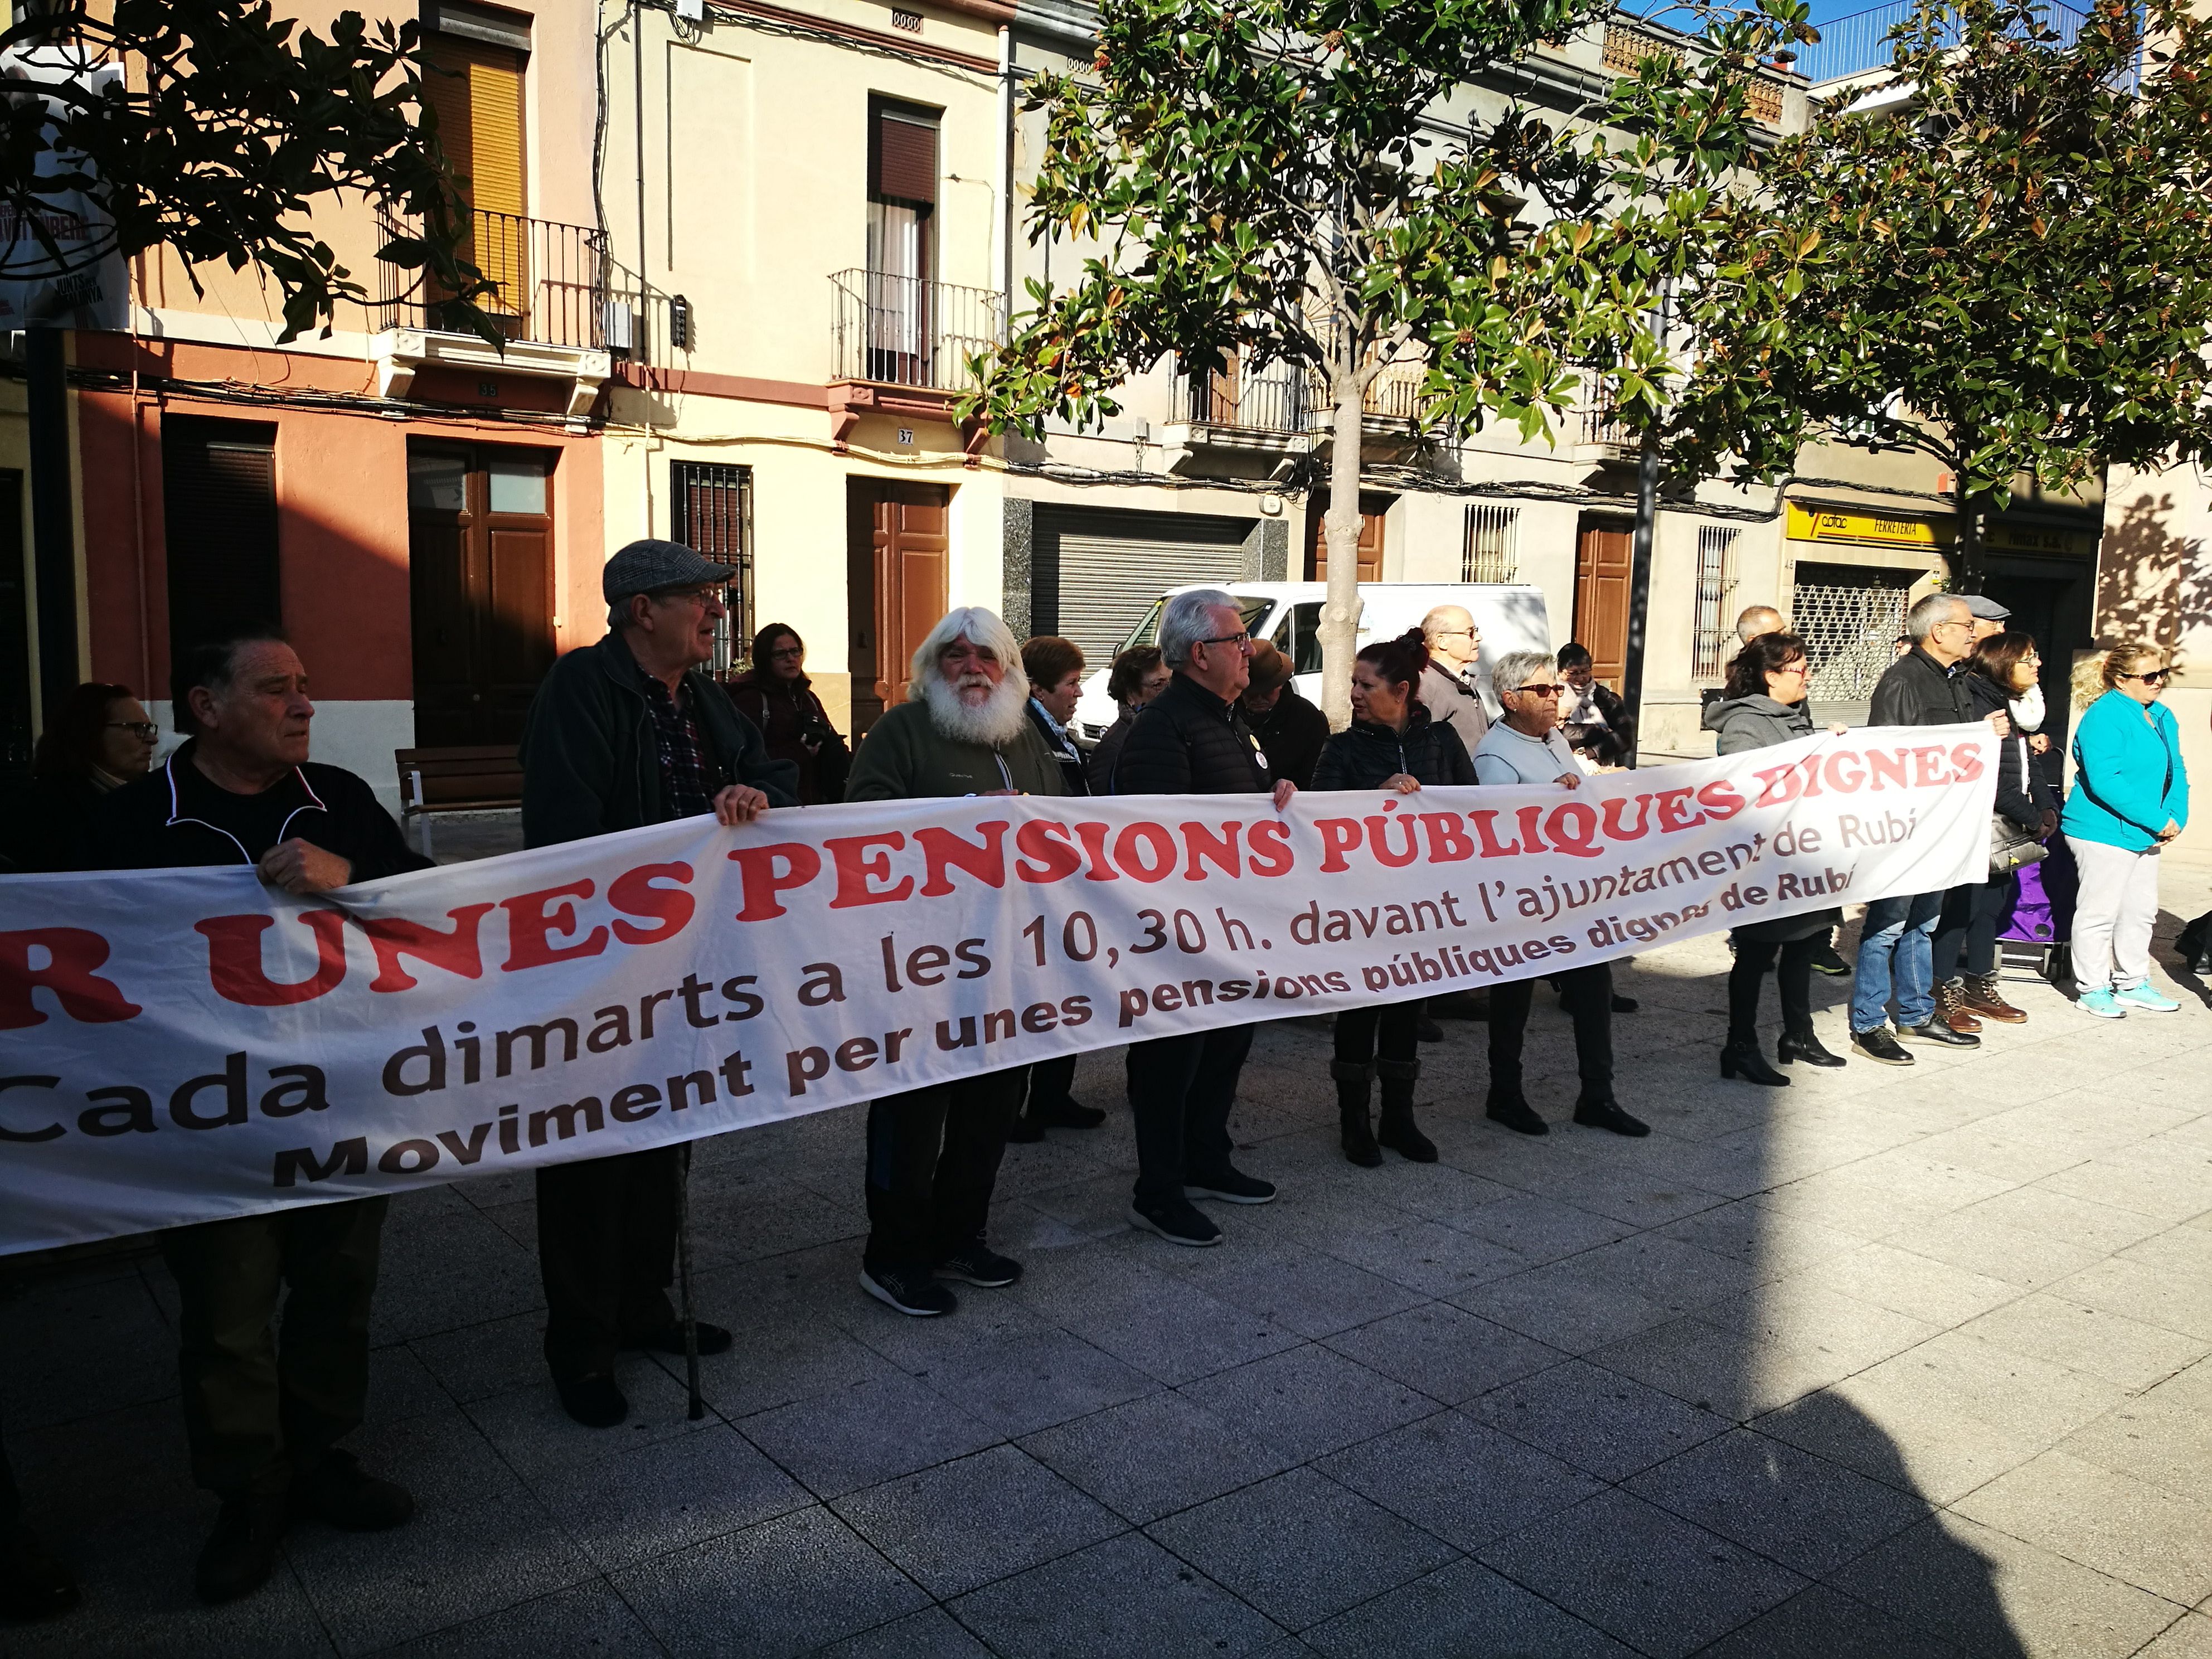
2130	797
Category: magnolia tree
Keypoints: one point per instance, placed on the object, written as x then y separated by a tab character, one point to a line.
1307	182
227	126
2007	263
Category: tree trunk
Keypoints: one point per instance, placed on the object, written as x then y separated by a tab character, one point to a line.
1339	614
1969	573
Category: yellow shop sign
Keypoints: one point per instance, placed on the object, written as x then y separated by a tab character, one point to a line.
1867	529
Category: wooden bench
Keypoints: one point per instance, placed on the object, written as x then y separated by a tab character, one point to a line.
478	777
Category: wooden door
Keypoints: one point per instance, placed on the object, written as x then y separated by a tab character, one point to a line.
480	553
896	548
1372	513
1602	572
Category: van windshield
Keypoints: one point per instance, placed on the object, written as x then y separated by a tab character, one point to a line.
1298	636
1147	632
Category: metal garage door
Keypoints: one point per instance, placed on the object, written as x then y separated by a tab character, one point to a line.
1099	570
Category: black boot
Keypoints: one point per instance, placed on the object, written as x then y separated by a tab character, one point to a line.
1742	1057
1805	1046
1399	1131
1352	1077
2195	945
241	1552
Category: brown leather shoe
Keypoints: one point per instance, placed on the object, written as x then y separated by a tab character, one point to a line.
1951	1008
1979	995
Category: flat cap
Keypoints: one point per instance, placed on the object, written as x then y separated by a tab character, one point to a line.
1982	605
646	566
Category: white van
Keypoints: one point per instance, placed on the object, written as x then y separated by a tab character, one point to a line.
1511	616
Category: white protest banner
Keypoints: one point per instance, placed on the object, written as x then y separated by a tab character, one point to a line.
184	1045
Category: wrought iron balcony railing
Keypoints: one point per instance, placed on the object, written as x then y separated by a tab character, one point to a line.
552	282
1273	400
904	331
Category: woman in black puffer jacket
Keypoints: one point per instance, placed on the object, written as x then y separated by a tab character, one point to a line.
1391	743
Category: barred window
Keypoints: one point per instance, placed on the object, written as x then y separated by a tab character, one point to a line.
714	514
1715	631
1492	552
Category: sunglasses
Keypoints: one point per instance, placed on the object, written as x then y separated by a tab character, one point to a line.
2156	676
144	730
1543	690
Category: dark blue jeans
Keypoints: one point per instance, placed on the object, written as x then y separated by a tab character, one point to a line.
1896	943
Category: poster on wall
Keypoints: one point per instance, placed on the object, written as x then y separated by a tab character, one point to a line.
60	267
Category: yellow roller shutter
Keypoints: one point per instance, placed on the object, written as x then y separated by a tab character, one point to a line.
478	100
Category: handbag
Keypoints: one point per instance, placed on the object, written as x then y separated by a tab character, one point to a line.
2012	848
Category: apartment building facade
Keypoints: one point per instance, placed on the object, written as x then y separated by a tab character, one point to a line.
746	252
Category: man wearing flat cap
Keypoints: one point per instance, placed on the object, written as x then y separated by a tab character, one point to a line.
1990	618
623	733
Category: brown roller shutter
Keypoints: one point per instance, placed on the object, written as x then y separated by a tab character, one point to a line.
219	513
902	156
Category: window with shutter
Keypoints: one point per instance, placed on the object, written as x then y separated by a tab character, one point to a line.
902	154
477	89
902	235
219	513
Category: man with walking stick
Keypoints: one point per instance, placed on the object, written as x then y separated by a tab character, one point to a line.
623	733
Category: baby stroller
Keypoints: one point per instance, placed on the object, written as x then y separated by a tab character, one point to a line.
2037	935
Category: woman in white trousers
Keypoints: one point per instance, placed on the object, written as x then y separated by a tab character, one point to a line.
2130	797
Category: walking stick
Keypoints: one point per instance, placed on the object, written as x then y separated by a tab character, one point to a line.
684	1279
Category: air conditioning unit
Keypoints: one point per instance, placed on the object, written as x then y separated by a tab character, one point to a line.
620	327
692	11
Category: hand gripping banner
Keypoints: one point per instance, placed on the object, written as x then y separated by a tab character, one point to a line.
184	1045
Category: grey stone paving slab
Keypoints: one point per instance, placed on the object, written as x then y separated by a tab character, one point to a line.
1124	1596
2103	1344
1154	1456
1651	1579
1608	1425
1821	1623
785	1586
1804	1511
862	1435
2188	1637
1460	1610
1448	1354
1463	1481
1310	1401
1990	1594
1030	1382
932	1633
1917	1444
447	1566
1300	1547
961	1524
665	1495
1293	1287
588	1620
2127	1529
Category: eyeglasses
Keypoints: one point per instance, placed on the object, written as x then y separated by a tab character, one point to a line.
1450	633
1801	666
786	650
1543	690
1242	641
144	730
2155	677
688	596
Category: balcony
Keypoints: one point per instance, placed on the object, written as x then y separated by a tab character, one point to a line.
549	306
1598	435
1240	409
900	345
1859	43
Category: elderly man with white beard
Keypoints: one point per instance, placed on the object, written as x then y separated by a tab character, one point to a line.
934	1152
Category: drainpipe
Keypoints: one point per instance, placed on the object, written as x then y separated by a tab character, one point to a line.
1007	164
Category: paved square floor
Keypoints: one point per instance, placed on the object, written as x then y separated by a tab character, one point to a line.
1888	1362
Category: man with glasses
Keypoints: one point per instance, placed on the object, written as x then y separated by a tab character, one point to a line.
1192	740
1926	686
623	733
1527	747
1447	687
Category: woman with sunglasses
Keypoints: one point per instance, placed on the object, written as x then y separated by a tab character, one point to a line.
2130	797
99	740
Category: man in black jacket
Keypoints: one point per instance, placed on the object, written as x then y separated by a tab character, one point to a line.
1191	740
1923	687
263	1421
623	733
